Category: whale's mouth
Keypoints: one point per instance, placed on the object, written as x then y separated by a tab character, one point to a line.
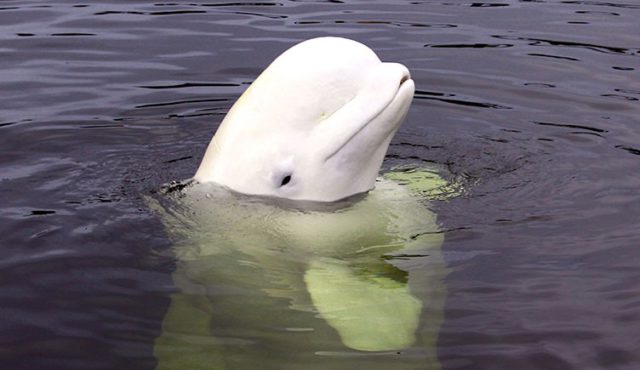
405	78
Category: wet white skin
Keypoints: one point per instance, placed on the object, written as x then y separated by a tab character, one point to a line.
315	125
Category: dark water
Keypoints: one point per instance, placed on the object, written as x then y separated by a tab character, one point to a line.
534	105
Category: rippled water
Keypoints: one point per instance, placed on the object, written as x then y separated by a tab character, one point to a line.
533	105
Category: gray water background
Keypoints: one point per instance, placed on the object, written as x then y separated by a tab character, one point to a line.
533	105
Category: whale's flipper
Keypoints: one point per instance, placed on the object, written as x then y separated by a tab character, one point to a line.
370	312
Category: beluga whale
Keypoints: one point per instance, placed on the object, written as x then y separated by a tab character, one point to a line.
292	250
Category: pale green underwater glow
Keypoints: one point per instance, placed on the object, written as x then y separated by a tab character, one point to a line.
262	285
426	183
371	313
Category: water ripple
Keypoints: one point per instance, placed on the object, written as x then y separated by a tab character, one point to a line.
594	47
573	126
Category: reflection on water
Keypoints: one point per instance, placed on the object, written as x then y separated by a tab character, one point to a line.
533	105
267	287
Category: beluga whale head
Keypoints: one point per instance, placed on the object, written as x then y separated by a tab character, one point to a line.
315	125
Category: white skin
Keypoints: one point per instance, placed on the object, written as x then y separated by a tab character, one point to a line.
315	125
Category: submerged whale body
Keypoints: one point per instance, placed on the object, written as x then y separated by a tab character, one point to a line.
279	264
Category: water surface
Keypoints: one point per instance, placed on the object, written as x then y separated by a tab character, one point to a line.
533	105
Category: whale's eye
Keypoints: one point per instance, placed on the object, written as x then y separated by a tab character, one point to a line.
285	180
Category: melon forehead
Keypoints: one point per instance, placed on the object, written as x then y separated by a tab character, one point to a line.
312	79
327	65
325	55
